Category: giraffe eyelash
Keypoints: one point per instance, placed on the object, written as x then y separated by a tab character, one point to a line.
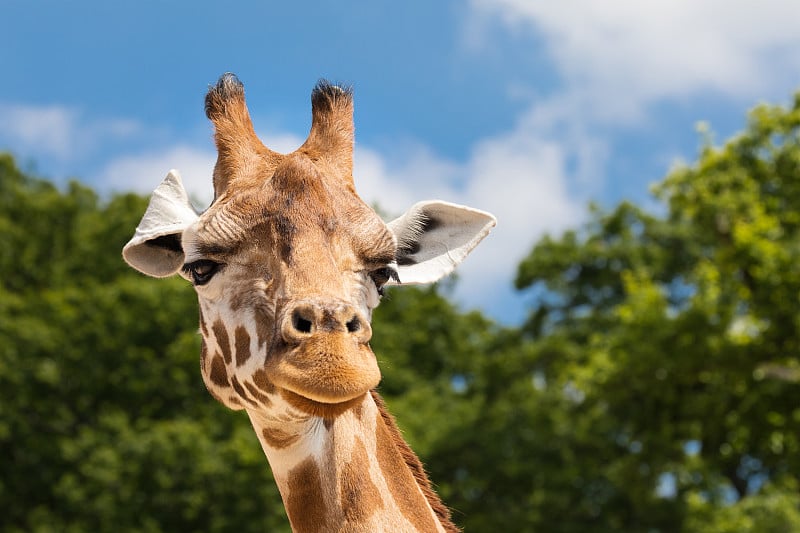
382	276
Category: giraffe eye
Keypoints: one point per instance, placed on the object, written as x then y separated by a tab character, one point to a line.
202	270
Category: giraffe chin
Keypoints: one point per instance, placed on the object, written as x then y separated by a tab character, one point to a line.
320	409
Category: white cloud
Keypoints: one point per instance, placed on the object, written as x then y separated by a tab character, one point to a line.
616	57
59	132
281	142
142	173
47	129
615	60
396	183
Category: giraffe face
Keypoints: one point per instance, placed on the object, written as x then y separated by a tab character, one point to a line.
287	271
288	262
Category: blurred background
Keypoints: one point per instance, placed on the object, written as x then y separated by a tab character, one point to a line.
621	354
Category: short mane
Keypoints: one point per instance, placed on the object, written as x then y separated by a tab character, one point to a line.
415	465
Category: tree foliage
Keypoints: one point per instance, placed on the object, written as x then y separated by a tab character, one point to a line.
654	387
676	339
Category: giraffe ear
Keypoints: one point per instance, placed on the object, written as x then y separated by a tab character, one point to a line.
434	237
155	248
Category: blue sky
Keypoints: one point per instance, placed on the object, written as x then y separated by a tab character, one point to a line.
528	109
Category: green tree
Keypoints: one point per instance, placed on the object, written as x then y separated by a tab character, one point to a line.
672	344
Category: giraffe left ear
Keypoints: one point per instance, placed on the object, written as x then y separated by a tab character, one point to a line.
155	248
434	237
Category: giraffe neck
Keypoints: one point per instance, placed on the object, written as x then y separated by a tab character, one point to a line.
353	473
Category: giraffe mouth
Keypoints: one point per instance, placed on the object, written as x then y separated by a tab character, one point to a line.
325	373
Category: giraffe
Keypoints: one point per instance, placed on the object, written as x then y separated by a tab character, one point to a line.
288	264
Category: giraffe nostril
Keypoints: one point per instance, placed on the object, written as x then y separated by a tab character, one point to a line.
308	319
353	325
300	323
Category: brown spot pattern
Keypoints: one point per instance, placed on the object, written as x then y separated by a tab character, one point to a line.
239	300
303	505
258	395
224	343
359	496
242	344
264	325
218	373
240	391
262	381
277	438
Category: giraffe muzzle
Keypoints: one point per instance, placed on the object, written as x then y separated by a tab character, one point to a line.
326	357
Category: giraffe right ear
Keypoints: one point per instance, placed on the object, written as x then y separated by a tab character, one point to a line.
433	237
155	248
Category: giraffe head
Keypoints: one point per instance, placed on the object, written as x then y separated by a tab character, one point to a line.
288	262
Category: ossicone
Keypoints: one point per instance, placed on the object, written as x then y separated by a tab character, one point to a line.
238	147
331	138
